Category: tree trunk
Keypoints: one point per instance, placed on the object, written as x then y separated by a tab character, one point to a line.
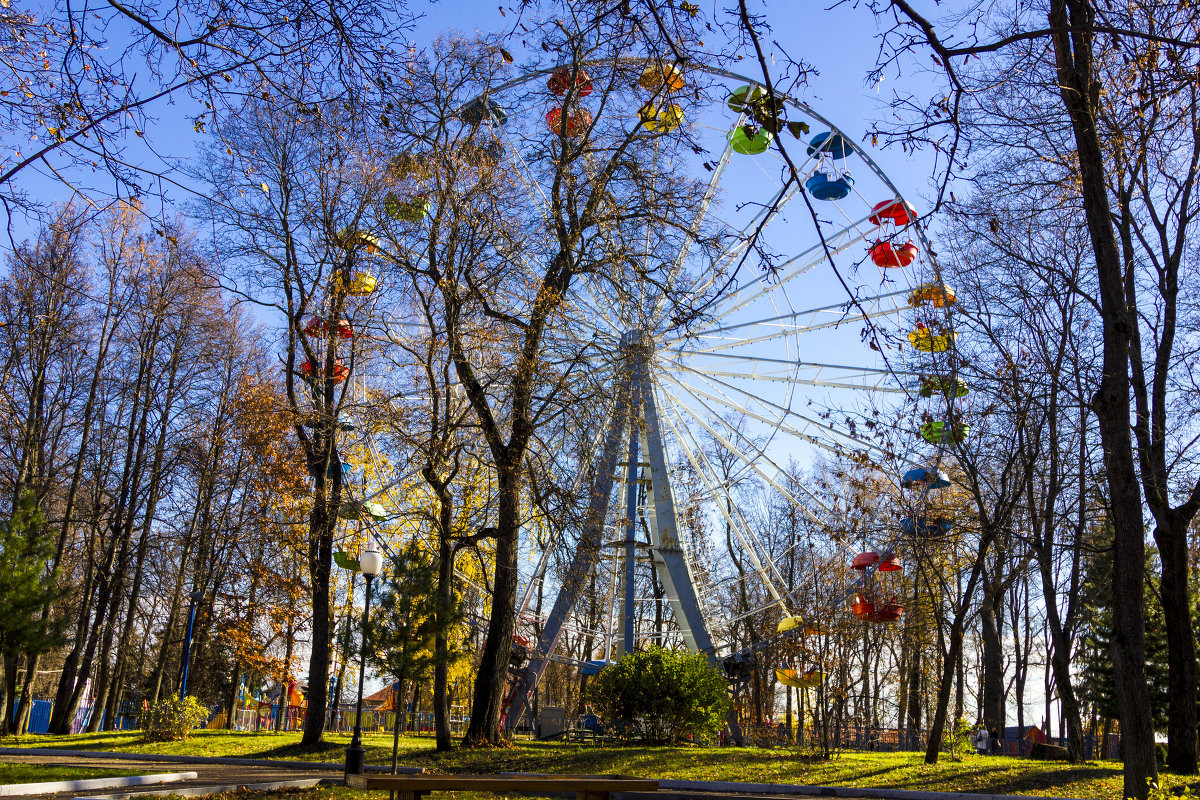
441	660
319	565
990	618
1177	608
493	664
1071	22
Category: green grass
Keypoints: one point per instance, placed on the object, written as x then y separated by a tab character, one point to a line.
992	774
38	773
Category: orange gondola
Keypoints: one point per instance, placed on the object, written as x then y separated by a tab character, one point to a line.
939	295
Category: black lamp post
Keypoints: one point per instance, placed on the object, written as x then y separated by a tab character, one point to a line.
370	562
194	598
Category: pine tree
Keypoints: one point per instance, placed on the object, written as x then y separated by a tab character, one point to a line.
25	589
1097	681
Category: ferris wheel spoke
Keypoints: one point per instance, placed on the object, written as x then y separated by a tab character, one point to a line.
758	450
823	384
732	515
741	408
525	177
836	434
780	320
782	330
710	192
797	266
791	373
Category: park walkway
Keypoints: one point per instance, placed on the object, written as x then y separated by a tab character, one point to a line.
221	774
211	774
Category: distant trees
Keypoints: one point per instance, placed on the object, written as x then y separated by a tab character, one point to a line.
122	364
73	105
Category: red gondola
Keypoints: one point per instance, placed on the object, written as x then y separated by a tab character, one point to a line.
886	255
560	82
896	212
338	373
317	326
864	560
575	123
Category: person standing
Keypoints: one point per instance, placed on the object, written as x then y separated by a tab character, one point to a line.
981	740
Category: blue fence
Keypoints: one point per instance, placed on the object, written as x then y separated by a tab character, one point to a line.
39	715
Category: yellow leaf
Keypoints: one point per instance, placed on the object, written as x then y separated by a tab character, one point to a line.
265	188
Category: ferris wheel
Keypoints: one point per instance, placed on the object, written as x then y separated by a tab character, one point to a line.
812	297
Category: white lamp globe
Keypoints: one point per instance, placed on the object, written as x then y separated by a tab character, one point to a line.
370	562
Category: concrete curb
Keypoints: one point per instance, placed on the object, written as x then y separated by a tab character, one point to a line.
668	789
323	766
715	790
200	791
86	784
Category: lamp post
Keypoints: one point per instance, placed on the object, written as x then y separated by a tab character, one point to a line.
370	562
194	599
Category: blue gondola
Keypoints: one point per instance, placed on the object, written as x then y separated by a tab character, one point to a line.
823	187
594	667
837	146
922	526
921	477
481	108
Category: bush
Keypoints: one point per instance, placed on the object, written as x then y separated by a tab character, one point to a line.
958	739
172	719
661	697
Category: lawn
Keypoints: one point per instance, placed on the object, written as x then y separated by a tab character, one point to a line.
991	774
37	773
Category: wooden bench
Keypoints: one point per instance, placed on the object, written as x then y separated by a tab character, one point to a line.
585	787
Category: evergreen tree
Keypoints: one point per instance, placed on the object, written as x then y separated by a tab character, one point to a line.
402	630
1097	681
25	589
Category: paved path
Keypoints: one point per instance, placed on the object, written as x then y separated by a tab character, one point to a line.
249	771
208	774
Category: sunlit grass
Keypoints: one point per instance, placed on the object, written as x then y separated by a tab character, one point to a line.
986	774
38	773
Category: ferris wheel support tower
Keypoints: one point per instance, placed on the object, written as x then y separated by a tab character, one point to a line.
635	412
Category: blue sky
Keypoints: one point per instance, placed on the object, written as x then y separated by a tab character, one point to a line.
841	43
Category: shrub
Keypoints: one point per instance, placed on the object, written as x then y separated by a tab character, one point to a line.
661	697
959	739
172	719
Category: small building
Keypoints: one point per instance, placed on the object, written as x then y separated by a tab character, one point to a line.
1014	742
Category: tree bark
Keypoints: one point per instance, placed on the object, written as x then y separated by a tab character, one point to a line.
1071	22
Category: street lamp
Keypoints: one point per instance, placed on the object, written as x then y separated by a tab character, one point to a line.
194	599
370	562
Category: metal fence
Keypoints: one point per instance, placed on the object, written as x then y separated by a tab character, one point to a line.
862	738
421	723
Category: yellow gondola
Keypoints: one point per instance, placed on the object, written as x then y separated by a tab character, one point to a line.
811	678
939	295
789	677
660	120
361	283
799	680
789	623
929	341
